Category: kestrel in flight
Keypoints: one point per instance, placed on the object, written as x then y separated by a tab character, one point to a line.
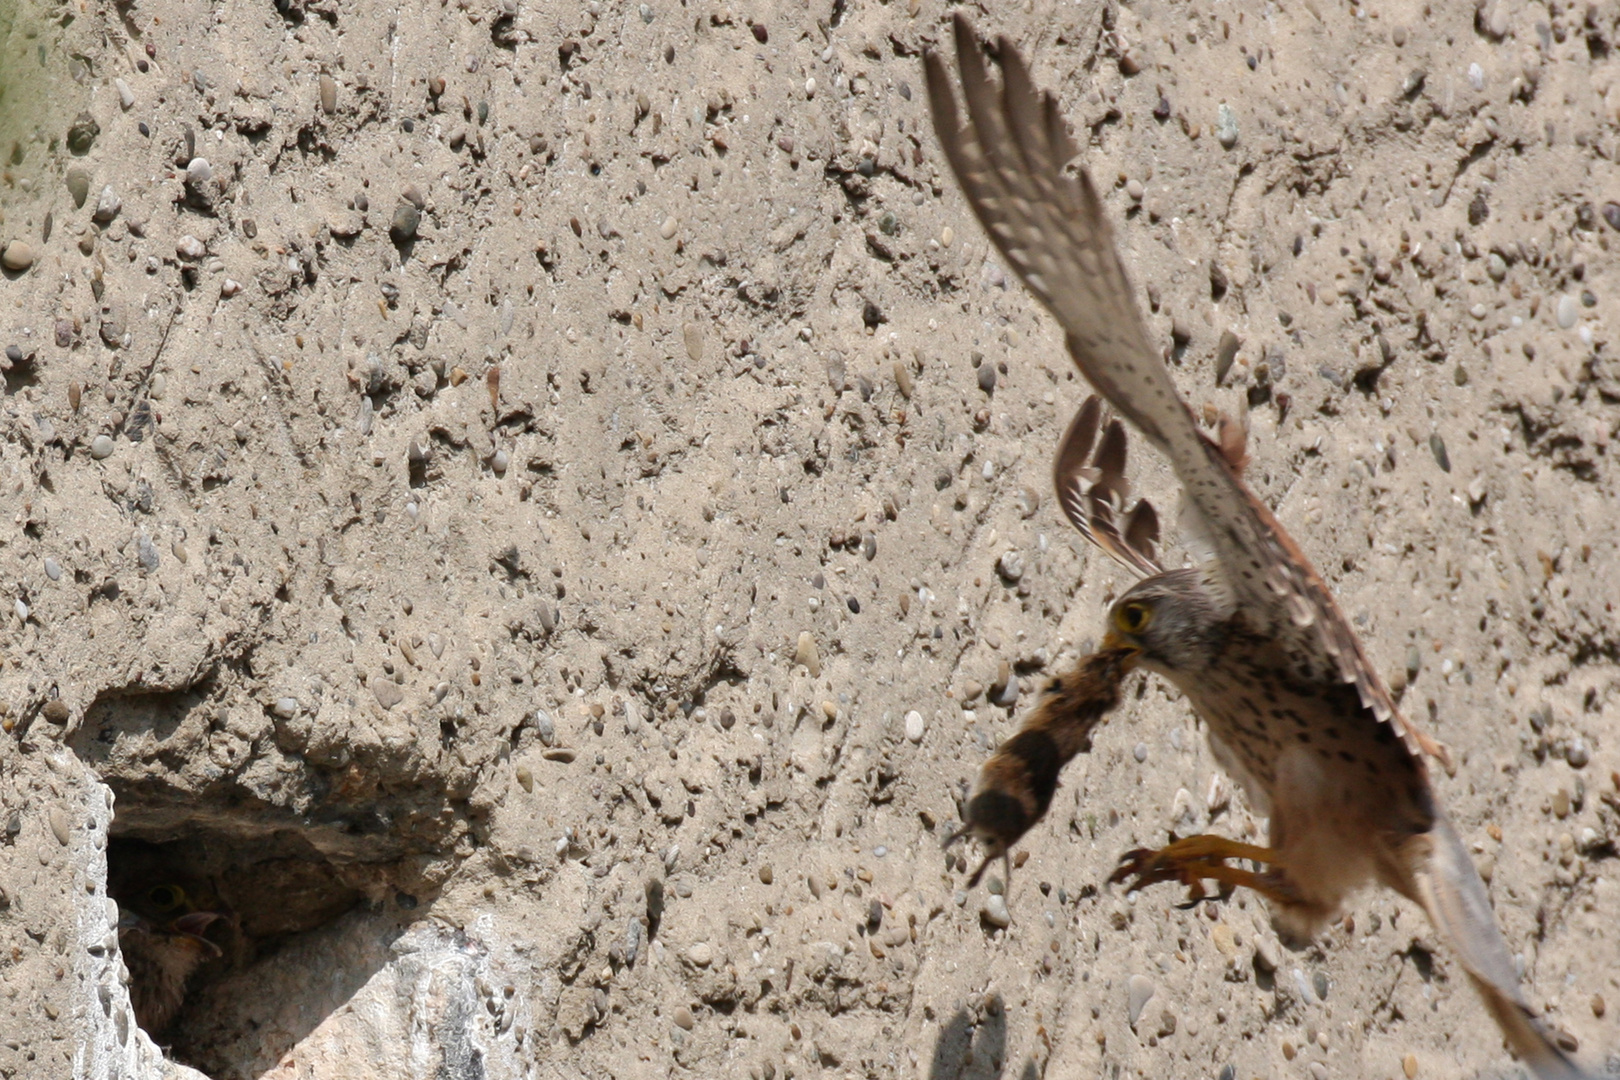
1252	635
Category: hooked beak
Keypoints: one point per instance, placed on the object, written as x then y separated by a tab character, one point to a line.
1113	642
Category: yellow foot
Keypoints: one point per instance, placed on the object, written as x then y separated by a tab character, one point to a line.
1197	859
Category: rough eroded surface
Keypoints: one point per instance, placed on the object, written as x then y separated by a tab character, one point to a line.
485	488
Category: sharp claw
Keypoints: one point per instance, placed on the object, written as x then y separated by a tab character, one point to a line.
1131	863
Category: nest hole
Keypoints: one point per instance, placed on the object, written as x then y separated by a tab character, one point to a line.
243	925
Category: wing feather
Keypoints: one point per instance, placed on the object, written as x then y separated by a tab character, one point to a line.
1092	489
1050	227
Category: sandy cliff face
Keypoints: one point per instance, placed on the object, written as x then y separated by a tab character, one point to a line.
534	512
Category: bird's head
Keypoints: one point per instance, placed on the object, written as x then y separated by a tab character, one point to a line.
168	915
1169	620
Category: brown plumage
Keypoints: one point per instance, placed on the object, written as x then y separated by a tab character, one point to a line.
161	938
1252	636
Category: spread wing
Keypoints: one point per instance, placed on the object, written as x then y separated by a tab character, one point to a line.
1009	156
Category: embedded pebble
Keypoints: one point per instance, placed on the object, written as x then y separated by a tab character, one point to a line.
632	940
387	692
407	219
286	707
1611	214
1010	565
525	778
835	372
1226	126
328	90
1183	812
198	171
101	447
81	134
766	874
693	335
902	379
1139	991
1006	689
78	185
1437	447
229	288
1140	752
126	96
60	828
1265	954
807	654
107	205
53	569
683	1018
189	247
994	910
667	229
1496	266
915	726
147	552
987	377
1578	754
947	235
1409	1066
1567	311
701	954
544	728
18	256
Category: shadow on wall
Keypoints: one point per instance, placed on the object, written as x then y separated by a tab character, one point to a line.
969	1051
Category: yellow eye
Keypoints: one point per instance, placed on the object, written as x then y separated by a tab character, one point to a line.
166	898
1133	618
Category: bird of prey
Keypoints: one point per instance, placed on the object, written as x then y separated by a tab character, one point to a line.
1252	636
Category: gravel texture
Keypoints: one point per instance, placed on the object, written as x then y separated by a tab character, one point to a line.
538	510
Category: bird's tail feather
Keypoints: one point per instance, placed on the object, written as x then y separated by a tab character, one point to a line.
1445	882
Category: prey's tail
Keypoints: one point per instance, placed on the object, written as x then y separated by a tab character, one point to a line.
1444	881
